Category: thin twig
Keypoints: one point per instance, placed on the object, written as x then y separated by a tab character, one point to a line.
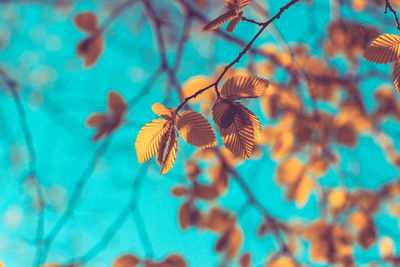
241	54
389	6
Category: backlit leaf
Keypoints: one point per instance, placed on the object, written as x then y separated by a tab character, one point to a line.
396	76
384	49
149	139
170	152
290	170
337	199
386	247
236	4
244	87
220	20
127	260
282	262
86	21
232	25
195	129
302	191
161	111
239	136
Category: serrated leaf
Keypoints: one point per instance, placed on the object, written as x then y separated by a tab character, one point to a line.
396	76
195	129
384	49
232	25
149	139
236	4
244	87
170	152
86	21
161	111
163	144
239	136
220	20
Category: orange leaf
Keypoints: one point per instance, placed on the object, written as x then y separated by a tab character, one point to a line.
116	103
90	49
185	215
195	129
149	139
236	124
127	260
232	25
86	21
96	119
236	4
170	152
384	49
220	20
161	111
396	77
239	87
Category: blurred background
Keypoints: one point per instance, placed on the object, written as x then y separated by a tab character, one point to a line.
321	190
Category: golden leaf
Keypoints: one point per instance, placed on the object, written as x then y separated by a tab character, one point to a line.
149	139
337	199
396	76
230	242
236	124
363	222
318	165
290	170
220	20
127	260
163	144
330	243
194	84
169	155
386	247
161	111
291	173
244	87
282	262
86	21
232	25
303	190
384	49
195	129
236	4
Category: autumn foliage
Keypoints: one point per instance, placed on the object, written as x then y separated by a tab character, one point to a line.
295	114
